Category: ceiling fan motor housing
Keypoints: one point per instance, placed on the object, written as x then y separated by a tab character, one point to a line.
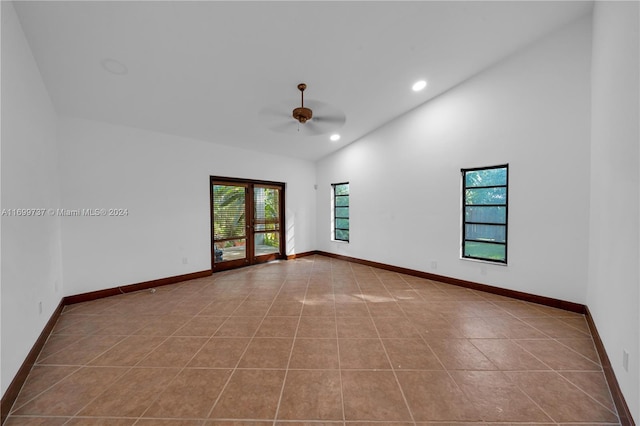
302	114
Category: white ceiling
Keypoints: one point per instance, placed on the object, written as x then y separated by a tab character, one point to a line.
208	70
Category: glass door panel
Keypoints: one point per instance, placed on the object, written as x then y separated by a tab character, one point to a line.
229	205
266	221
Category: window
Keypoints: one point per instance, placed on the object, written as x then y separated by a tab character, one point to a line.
341	211
484	216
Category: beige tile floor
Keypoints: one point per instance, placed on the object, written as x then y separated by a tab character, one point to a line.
315	341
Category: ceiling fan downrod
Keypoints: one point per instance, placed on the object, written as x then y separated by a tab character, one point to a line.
301	113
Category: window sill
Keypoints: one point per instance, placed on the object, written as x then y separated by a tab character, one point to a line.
486	262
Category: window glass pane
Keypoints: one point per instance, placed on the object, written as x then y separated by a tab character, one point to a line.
266	226
497	233
486	196
342	212
342	189
342	201
341	234
487	177
267	243
342	223
266	203
229	250
487	251
485	214
228	211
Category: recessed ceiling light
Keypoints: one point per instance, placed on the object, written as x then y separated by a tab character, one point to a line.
419	85
114	67
335	137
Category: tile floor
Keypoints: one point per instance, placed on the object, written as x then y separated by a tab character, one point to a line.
315	341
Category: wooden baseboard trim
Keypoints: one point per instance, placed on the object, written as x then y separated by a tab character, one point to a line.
99	294
616	393
299	255
9	397
542	300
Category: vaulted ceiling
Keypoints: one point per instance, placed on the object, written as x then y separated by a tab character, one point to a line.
227	72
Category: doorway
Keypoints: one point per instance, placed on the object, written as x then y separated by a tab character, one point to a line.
247	222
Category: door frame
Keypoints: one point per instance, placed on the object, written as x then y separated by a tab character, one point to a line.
251	258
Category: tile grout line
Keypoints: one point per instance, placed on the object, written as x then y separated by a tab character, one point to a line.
335	318
404	397
588	394
535	402
389	284
293	344
444	368
15	407
455	382
86	365
159	394
497	369
128	370
550	369
233	371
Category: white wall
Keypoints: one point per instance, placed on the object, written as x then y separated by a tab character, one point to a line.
31	266
613	294
531	111
163	181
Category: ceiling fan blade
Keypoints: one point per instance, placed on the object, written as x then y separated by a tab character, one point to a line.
331	119
311	128
275	111
315	105
286	127
326	114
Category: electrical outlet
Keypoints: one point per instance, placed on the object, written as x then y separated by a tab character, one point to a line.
40	308
185	260
434	264
625	360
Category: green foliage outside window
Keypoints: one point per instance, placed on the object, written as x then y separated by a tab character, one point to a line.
228	211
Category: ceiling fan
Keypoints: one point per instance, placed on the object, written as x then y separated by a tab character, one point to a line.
316	118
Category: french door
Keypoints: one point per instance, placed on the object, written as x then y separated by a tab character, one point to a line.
247	222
